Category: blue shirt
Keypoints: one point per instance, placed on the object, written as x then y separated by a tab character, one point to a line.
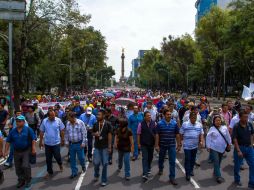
128	113
90	121
95	111
167	132
51	130
134	121
22	140
191	134
159	105
204	114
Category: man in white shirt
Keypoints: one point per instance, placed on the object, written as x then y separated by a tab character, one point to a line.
152	110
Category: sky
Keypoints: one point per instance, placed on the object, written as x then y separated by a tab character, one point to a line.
138	25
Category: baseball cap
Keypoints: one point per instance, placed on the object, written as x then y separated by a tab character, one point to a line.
89	110
21	117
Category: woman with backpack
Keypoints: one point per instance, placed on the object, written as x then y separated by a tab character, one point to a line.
218	141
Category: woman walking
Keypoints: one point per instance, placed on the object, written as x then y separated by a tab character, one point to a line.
218	141
124	144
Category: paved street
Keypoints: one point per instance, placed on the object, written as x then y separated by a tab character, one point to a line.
202	179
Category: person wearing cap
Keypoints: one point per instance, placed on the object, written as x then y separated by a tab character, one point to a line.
192	135
76	140
12	124
52	132
23	140
89	119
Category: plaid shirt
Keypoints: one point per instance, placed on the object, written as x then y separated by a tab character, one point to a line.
75	133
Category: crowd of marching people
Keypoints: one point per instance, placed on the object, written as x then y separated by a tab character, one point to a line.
92	132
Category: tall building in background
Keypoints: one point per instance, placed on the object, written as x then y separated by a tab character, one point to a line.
204	6
136	64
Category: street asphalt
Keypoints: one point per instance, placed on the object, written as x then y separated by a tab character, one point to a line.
203	178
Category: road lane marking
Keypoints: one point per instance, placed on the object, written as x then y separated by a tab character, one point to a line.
41	173
194	183
81	177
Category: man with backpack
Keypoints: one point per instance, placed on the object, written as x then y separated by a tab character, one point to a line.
23	140
12	125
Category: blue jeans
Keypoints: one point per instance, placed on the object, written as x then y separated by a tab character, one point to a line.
171	160
248	154
217	158
135	140
51	151
124	157
189	162
11	154
75	149
100	157
147	158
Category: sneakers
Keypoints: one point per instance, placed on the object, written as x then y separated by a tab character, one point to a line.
187	178
238	184
20	184
61	168
160	172
28	184
192	173
127	178
73	176
110	162
173	182
7	165
219	180
47	176
145	177
103	184
83	169
96	179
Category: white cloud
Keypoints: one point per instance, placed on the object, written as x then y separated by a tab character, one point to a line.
138	24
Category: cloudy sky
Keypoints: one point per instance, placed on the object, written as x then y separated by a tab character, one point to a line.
138	24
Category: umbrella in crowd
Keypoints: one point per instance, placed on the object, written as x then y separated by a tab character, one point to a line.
124	101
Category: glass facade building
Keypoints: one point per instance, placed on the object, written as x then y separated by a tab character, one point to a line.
204	6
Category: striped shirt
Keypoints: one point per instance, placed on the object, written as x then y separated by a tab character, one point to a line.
191	134
167	133
75	133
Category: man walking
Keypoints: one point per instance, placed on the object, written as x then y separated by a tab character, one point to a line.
243	142
23	140
52	130
167	134
89	119
102	131
76	139
133	122
146	141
